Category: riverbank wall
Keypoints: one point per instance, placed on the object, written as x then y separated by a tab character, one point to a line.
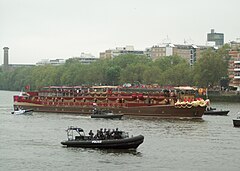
218	96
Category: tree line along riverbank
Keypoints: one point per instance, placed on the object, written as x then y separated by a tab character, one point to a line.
209	69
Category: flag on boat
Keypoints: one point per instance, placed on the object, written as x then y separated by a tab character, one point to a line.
27	87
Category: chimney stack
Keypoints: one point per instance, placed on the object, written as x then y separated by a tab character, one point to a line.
5	61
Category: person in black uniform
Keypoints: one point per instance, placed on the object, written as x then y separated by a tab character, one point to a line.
91	134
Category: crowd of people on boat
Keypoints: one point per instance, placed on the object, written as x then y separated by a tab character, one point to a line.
110	90
103	134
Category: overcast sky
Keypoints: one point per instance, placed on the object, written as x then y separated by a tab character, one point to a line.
50	29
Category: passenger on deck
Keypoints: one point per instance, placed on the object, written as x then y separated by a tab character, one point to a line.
95	110
104	133
91	134
105	130
101	134
107	134
117	134
97	135
112	133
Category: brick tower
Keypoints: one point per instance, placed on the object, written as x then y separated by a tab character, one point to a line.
5	60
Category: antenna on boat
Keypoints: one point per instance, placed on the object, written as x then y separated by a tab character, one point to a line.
206	93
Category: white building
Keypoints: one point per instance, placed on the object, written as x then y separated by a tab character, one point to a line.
86	58
51	62
112	53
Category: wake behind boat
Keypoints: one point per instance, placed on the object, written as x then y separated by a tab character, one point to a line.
104	139
22	112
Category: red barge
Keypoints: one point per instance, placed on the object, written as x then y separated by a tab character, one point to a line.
179	102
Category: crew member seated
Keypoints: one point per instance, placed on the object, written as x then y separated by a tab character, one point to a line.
95	110
117	134
91	134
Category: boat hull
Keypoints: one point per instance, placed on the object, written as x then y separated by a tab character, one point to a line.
23	112
216	112
126	143
236	122
162	111
112	116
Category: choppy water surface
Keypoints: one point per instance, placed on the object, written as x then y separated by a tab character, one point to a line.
33	142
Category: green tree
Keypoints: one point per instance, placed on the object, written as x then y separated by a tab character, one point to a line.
124	60
211	67
152	75
71	74
133	73
166	62
179	74
112	75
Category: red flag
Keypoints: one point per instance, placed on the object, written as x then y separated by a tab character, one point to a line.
27	87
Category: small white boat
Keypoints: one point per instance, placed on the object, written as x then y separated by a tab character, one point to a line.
23	112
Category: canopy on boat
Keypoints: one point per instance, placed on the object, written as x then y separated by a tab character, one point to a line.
75	128
185	88
101	87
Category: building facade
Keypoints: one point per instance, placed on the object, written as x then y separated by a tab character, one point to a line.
51	62
234	65
86	58
189	52
112	53
218	38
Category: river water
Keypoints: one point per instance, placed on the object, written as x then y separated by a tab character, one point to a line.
33	142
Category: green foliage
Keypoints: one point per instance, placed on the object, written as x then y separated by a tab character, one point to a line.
167	62
112	75
124	60
152	75
179	74
170	70
211	67
133	73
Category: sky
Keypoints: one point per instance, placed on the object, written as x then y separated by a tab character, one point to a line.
50	29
